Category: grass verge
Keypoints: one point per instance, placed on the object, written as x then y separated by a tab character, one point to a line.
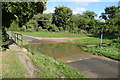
49	67
110	50
53	34
88	41
11	66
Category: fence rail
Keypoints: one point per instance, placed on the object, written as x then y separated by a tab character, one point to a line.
18	38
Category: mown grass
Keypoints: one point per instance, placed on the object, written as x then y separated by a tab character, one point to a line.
11	65
88	41
49	67
110	51
53	34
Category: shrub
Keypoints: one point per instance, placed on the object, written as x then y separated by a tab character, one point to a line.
33	25
60	28
13	26
53	28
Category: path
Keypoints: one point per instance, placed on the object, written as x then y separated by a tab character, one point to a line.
89	65
93	66
96	67
25	60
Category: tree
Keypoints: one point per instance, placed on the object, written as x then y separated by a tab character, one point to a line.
112	19
110	12
62	16
44	20
88	21
19	11
89	14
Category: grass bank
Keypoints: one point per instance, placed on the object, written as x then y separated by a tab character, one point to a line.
53	34
11	65
109	49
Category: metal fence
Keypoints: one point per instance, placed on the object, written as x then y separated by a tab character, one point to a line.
18	38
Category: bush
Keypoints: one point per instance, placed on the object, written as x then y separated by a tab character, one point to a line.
33	25
53	28
60	28
116	40
13	26
82	31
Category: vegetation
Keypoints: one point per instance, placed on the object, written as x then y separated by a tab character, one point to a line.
61	17
109	49
29	17
11	66
53	34
63	20
49	67
20	13
89	41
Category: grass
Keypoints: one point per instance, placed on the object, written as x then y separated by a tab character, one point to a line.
53	34
88	41
110	51
11	66
49	67
92	45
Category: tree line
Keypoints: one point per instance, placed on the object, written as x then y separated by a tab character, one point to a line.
28	17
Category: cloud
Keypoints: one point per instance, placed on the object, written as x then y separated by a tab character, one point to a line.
79	10
75	12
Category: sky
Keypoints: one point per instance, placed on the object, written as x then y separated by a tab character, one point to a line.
80	6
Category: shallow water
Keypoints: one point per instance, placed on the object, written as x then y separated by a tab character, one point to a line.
56	50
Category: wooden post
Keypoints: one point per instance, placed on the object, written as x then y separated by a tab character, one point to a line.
17	39
101	40
21	39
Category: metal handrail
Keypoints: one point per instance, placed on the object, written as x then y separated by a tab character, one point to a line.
17	37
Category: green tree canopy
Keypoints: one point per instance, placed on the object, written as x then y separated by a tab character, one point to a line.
22	11
89	14
62	16
110	12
